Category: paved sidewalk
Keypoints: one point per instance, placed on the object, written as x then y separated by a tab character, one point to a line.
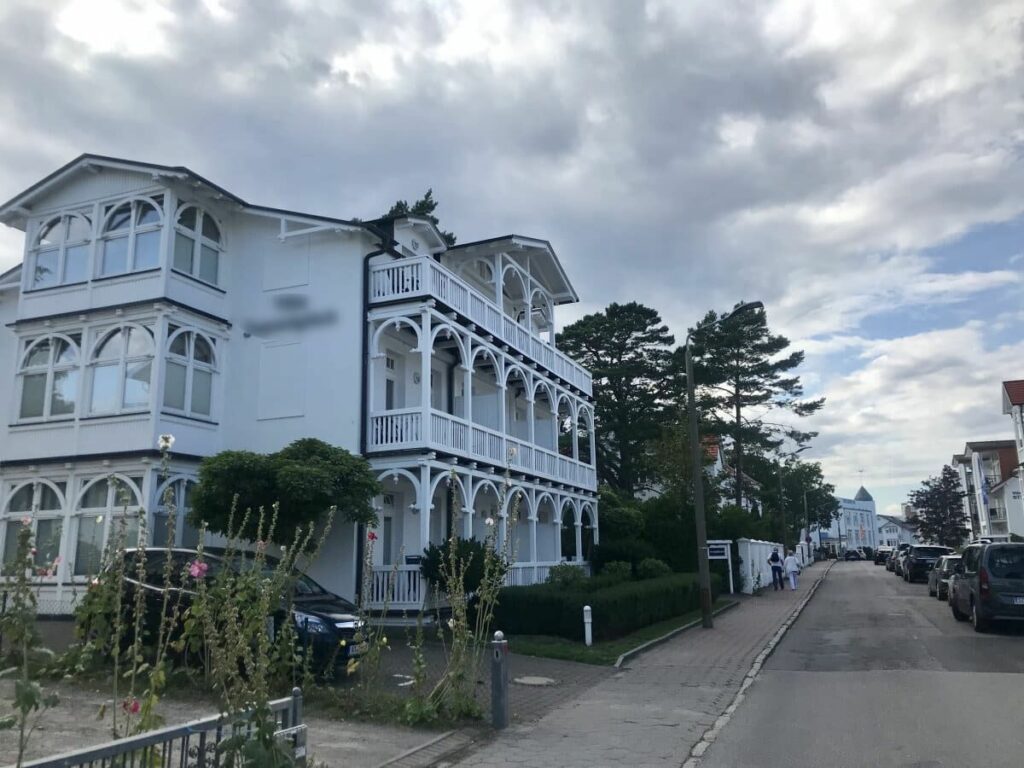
657	707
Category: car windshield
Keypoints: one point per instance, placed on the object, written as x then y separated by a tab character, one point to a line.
1006	562
949	563
930	551
303	584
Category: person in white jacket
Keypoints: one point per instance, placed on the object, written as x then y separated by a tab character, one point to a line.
792	568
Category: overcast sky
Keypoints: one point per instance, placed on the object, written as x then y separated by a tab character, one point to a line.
857	170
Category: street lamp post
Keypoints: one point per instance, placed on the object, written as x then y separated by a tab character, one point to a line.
703	569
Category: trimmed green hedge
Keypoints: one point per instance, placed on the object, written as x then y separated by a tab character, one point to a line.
618	609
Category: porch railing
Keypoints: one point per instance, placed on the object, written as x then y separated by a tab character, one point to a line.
190	744
525	574
393	430
397	587
420	276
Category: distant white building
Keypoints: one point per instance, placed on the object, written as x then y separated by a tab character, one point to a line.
856	526
152	301
893	531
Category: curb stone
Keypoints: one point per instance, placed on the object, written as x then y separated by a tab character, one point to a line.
633	652
698	750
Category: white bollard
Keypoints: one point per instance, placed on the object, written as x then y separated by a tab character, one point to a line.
588	634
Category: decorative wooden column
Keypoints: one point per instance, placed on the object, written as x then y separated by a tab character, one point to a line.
426	347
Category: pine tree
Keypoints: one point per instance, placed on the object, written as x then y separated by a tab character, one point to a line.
741	374
940	511
627	348
424	207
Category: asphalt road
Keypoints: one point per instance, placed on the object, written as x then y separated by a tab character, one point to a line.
876	673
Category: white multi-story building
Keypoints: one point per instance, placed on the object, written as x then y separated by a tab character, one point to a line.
152	301
856	526
988	476
893	531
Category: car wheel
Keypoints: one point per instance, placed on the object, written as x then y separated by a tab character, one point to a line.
957	614
939	595
931	592
979	622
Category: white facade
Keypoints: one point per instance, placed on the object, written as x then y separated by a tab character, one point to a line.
152	301
856	526
893	531
987	475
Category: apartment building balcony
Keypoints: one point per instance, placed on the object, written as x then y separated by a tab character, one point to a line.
422	277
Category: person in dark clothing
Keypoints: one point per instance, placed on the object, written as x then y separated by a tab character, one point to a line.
778	577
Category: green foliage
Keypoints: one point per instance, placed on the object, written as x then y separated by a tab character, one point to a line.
741	367
618	569
630	551
469	552
566	576
627	349
621	519
799	479
545	609
670	531
306	479
652	568
940	513
424	207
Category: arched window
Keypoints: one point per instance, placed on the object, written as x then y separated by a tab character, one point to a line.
188	380
177	495
61	251
121	367
42	505
197	245
104	506
131	236
49	377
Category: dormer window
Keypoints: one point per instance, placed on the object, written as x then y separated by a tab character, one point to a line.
131	237
197	245
61	251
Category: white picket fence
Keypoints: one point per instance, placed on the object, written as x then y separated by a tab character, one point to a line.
754	563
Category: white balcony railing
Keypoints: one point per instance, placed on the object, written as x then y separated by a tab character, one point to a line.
397	587
402	429
408	278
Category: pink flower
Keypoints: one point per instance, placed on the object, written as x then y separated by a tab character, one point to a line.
33	551
197	569
260	546
371	536
131	706
26	520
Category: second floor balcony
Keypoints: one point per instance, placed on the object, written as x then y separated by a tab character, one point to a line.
422	277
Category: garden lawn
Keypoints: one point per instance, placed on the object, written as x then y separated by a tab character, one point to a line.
604	653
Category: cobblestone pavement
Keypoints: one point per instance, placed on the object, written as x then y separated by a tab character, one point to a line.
653	711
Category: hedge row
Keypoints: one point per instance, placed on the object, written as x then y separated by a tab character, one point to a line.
617	610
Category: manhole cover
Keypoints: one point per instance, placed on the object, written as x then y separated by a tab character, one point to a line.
531	680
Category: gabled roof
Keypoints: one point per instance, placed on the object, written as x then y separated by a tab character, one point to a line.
1013	394
16	210
896	521
561	289
986	445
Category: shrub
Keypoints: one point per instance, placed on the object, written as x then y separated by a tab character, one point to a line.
652	568
566	576
630	551
470	554
619	570
546	609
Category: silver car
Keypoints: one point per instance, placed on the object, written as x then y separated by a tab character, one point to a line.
939	576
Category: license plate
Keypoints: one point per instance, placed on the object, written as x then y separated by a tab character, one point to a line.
1018	601
358	650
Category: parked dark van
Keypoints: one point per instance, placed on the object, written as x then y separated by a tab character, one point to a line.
989	585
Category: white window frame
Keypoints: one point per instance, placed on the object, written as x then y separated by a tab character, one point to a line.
35	515
50	370
198	241
109	209
60	249
177	484
191	366
112	513
122	361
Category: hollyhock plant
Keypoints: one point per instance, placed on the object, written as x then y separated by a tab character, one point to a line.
197	569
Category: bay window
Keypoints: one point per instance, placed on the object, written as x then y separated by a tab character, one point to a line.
189	369
131	236
42	505
197	245
49	377
121	368
174	502
60	253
